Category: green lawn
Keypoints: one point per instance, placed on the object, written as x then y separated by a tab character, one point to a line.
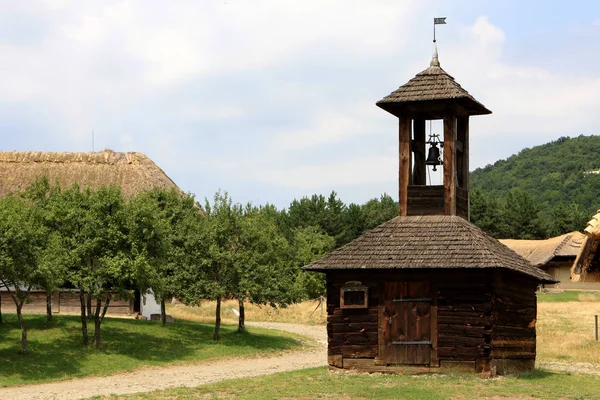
56	353
317	383
568	295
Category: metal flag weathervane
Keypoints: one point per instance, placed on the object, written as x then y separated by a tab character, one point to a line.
438	21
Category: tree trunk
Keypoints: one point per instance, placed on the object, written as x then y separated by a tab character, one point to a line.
163	311
84	331
49	306
23	328
217	334
90	314
106	303
242	317
97	324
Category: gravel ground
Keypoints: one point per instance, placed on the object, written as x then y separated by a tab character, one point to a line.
149	379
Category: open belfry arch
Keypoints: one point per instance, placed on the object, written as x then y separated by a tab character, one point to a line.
433	95
428	289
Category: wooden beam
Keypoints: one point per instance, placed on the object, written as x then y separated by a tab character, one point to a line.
449	162
418	148
462	128
405	163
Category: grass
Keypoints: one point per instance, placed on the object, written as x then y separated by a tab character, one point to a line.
317	383
56	353
308	312
565	327
568	296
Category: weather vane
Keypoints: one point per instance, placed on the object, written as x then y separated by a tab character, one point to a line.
438	21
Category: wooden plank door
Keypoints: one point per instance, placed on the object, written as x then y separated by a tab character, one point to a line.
407	323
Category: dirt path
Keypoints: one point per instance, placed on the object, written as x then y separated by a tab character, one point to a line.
149	379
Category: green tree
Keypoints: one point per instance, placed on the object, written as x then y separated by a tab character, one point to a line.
261	262
520	217
377	211
21	240
567	218
486	213
210	248
156	221
53	273
310	244
96	252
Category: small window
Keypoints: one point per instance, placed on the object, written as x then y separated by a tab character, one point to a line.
354	295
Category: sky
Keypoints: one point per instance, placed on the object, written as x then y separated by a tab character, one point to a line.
273	100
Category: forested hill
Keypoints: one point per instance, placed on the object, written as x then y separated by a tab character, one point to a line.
561	179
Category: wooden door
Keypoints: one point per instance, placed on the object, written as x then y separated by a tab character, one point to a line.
407	323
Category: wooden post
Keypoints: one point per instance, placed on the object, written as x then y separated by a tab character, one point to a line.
449	162
434	360
462	165
418	148
596	323
404	167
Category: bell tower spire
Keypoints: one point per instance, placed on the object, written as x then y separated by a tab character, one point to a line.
433	95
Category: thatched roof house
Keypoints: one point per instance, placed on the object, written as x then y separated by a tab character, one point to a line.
587	266
133	172
554	255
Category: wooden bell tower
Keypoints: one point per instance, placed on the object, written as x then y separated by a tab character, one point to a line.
433	95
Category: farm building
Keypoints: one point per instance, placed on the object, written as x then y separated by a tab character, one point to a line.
586	268
555	256
133	172
428	289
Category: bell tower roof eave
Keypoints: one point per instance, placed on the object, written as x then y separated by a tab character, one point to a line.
433	108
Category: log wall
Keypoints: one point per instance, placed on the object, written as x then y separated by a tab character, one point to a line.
351	333
464	317
514	315
464	311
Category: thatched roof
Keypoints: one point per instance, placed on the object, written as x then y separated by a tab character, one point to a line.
589	259
429	241
539	252
432	84
133	172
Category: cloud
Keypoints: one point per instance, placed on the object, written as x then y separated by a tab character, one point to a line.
486	33
334	173
325	130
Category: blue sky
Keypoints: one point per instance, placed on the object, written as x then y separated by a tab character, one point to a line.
273	100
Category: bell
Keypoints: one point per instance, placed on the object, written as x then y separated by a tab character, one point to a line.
433	157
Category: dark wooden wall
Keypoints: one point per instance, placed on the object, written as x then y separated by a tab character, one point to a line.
351	333
429	200
514	318
62	303
481	315
464	316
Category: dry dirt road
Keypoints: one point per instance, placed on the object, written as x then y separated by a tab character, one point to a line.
149	379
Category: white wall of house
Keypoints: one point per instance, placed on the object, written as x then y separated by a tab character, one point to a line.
149	304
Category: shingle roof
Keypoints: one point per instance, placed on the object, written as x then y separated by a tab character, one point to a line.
429	241
539	252
429	85
133	172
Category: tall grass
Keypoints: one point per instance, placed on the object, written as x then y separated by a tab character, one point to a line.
565	327
308	312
